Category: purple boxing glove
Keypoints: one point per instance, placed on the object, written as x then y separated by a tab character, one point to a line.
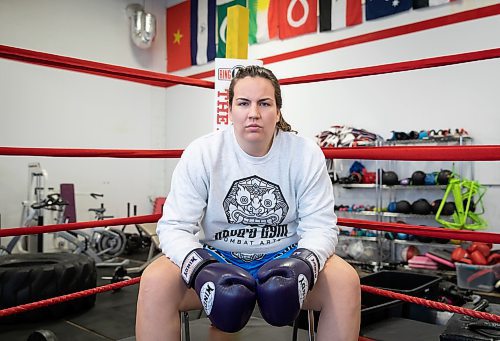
282	286
227	292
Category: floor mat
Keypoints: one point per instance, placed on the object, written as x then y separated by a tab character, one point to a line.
393	329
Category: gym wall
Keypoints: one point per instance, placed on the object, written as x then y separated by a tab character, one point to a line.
47	107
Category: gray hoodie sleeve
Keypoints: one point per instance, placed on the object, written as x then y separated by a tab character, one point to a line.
184	208
317	228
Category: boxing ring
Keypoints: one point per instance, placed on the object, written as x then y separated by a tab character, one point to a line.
406	153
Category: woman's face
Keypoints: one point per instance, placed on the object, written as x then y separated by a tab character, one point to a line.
254	114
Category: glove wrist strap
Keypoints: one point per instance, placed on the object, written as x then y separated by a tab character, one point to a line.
193	263
311	260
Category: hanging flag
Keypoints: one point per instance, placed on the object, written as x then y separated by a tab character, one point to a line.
178	37
237	32
222	6
381	8
336	14
202	31
263	20
297	17
426	3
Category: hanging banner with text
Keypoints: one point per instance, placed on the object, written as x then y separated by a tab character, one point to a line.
225	69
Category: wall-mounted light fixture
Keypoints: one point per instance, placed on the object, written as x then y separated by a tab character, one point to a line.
142	26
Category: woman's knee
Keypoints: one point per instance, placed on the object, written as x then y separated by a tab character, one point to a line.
159	277
161	282
345	276
337	280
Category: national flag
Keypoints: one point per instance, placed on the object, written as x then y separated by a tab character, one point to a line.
426	3
237	32
297	17
336	14
263	20
222	6
202	31
381	8
178	37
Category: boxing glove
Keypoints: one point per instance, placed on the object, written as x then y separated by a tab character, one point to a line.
282	286
227	292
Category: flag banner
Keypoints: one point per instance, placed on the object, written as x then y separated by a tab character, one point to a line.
222	6
427	3
237	32
297	17
178	37
263	20
337	14
202	31
381	8
225	69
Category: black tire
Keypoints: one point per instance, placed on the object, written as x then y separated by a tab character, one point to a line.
26	278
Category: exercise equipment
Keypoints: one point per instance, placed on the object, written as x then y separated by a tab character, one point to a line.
418	178
443	177
389	178
42	335
403	206
421	206
466	194
30	277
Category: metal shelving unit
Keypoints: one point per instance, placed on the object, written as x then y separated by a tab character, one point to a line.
378	214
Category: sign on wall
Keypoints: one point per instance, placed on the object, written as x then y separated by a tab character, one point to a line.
225	69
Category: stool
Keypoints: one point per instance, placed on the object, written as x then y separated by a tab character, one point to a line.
252	329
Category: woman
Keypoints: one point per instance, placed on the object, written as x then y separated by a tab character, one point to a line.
250	220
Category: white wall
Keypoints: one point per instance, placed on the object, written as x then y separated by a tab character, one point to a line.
45	107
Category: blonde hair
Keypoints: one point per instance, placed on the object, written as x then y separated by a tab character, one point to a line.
259	71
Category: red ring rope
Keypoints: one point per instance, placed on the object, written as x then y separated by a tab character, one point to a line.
427	231
101	69
403	153
431	304
49	301
395	67
113	286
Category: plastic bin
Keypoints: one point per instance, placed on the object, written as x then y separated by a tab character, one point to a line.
477	277
374	308
409	283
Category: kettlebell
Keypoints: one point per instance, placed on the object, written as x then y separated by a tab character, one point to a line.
403	206
443	177
389	178
418	178
421	206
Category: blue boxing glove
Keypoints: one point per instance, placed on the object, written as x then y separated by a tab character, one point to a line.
227	292
282	286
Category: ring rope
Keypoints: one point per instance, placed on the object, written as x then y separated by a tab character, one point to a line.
417	153
396	67
377	291
59	299
403	153
427	231
431	304
160	79
100	69
18	231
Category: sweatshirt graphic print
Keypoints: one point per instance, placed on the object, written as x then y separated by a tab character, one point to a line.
232	201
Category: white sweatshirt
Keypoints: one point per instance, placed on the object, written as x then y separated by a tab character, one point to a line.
252	205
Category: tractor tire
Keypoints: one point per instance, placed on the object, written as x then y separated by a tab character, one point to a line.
27	278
